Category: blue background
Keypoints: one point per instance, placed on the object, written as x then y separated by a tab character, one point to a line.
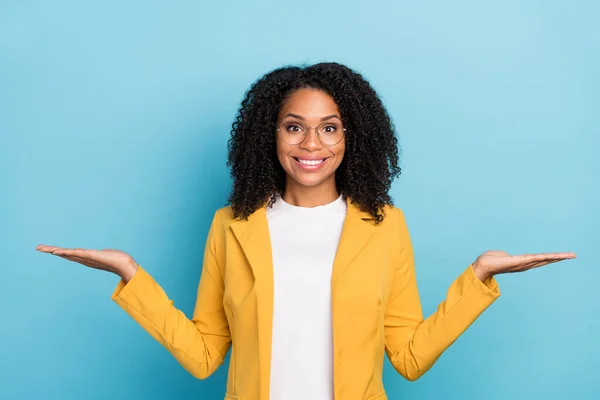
114	120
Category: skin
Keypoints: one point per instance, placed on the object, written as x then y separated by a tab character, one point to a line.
308	188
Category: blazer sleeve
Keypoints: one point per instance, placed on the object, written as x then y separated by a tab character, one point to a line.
199	344
412	343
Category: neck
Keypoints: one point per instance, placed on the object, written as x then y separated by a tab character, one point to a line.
302	196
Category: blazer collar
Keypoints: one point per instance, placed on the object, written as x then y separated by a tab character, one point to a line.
254	238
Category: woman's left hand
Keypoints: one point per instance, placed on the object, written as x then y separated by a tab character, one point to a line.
495	262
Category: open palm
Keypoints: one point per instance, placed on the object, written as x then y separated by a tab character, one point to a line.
495	262
111	260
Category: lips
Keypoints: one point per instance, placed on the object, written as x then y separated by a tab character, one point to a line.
310	161
310	164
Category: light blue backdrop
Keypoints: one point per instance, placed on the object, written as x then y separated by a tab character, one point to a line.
114	118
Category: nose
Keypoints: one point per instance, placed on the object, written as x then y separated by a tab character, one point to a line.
311	141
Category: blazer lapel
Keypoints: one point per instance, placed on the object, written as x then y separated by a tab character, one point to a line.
254	238
356	232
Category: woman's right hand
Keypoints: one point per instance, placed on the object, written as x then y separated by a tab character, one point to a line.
110	260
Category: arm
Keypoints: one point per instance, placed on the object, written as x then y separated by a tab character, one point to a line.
199	344
414	344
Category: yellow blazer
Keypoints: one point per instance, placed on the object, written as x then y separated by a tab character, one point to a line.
375	307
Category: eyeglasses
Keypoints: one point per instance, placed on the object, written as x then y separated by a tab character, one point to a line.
294	133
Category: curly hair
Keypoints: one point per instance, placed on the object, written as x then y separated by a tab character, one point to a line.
370	161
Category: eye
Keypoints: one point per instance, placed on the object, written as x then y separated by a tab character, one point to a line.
329	129
293	128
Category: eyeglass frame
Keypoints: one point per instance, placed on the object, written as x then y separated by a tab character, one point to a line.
308	128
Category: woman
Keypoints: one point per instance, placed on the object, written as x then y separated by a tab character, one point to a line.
308	275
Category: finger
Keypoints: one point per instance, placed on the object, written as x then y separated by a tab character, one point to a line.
531	265
77	252
558	256
528	258
80	261
542	263
46	249
61	251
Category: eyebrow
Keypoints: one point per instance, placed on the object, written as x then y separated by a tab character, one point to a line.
322	119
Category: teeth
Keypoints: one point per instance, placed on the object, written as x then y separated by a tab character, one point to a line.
310	162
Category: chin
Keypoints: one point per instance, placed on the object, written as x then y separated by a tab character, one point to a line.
311	181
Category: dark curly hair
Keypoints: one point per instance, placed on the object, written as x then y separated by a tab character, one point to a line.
370	161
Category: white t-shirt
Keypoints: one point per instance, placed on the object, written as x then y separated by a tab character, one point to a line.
304	242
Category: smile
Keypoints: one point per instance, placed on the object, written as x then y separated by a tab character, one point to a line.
311	164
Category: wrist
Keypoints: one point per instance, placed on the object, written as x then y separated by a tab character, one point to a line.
128	270
481	272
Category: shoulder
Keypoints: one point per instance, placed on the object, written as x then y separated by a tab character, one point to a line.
223	217
224	213
219	225
397	224
394	223
393	216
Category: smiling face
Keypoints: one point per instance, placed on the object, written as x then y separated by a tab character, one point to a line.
310	164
